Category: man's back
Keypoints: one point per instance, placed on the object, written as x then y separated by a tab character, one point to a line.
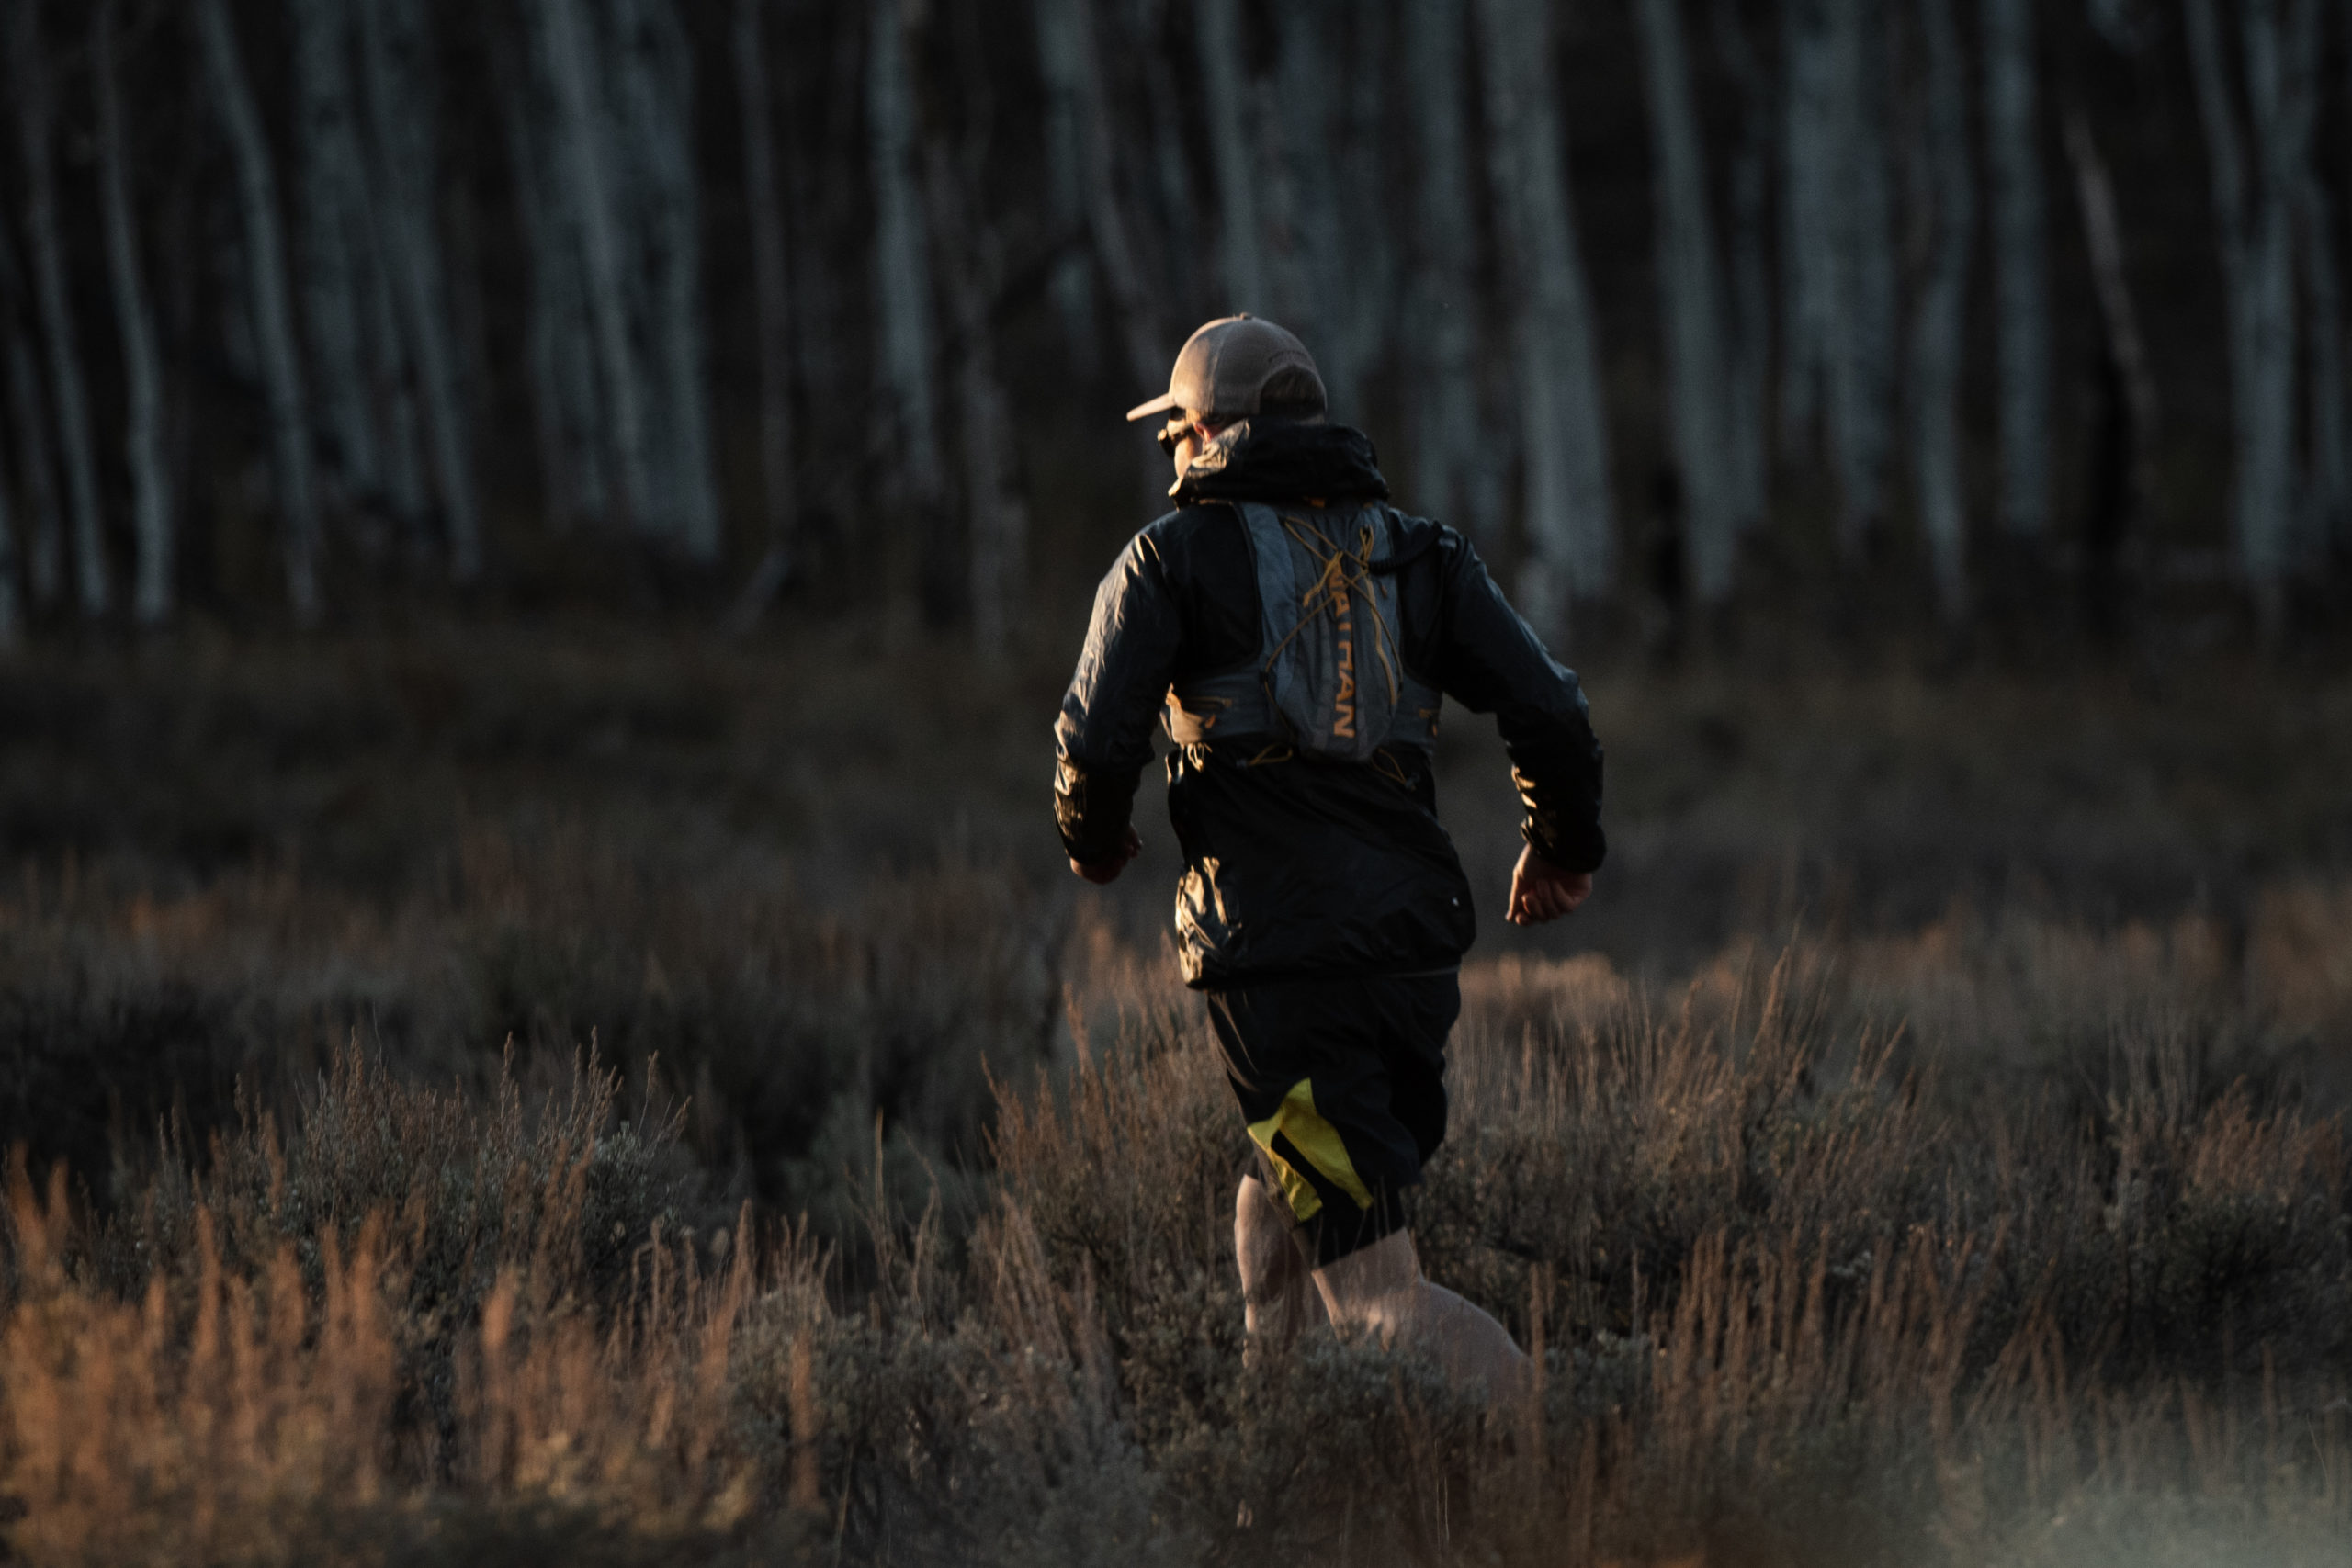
1296	865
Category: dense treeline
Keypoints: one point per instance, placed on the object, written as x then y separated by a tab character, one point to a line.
1980	305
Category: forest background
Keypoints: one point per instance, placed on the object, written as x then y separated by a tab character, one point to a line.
560	525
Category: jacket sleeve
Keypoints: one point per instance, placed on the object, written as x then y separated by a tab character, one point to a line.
1491	661
1102	738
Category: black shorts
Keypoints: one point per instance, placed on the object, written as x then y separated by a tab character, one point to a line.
1343	1083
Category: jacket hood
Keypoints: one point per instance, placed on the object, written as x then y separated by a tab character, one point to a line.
1260	461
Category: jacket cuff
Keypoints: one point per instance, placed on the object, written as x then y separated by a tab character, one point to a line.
1092	811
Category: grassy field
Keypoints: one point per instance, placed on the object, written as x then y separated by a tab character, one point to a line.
582	1096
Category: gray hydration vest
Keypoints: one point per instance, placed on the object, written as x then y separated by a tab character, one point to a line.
1329	679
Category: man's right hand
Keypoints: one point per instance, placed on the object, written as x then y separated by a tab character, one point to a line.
1102	873
1541	891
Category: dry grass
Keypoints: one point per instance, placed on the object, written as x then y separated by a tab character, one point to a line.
885	1219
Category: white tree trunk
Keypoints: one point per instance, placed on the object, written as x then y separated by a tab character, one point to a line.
2020	264
1944	185
771	282
561	338
902	261
281	366
35	121
1225	88
1863	381
583	149
395	54
1838	365
1811	256
29	417
335	241
1107	228
2103	239
150	496
1302	190
12	612
1450	480
1691	300
1751	369
2252	190
1063	63
1569	514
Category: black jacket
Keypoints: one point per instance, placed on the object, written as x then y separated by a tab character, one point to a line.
1310	867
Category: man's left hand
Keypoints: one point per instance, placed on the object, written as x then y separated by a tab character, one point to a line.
1541	891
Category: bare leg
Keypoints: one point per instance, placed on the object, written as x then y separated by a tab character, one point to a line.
1379	1291
1279	1301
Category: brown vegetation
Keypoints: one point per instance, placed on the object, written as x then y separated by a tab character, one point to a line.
2020	1230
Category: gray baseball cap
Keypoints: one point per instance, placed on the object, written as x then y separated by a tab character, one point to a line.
1225	365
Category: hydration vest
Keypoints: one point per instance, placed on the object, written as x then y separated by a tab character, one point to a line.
1329	679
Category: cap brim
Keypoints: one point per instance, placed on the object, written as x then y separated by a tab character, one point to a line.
1160	404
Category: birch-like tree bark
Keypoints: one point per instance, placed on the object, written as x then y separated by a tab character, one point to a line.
1838	249
36	112
583	149
1692	301
2328	492
1569	514
902	258
1108	231
1316	277
1449	475
2120	496
2254	176
150	495
770	293
1062	66
559	341
2020	264
43	530
265	247
1225	87
1943	185
394	59
335	240
12	612
653	99
1749	372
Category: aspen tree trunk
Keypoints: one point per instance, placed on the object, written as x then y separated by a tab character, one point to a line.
1691	300
1751	288
666	71
2020	264
1224	85
1062	66
1570	514
2329	495
560	339
1107	229
150	496
1944	186
35	121
2253	191
12	614
771	299
281	366
585	155
1863	383
902	259
1812	259
1839	255
1446	304
335	244
29	417
1304	195
394	49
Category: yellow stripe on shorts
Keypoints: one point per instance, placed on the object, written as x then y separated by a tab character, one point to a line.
1297	1119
